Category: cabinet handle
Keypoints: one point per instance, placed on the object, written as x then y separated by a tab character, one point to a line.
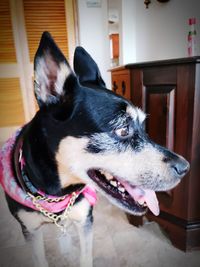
123	87
115	87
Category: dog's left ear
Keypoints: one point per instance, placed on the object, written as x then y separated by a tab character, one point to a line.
86	68
51	71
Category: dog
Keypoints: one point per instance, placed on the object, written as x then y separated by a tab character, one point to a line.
83	139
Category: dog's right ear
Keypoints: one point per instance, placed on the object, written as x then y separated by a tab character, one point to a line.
51	71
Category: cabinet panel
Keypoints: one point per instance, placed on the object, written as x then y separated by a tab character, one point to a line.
160	75
194	210
184	129
159	106
137	89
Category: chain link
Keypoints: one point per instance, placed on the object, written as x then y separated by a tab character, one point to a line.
56	219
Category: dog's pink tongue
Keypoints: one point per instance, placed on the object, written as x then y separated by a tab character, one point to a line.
144	195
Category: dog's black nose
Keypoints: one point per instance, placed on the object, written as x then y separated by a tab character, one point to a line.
180	167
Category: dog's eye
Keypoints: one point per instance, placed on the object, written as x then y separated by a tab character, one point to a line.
124	132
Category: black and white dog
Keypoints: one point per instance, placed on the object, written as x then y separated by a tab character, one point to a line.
83	138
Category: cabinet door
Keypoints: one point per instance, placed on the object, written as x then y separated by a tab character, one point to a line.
155	91
121	83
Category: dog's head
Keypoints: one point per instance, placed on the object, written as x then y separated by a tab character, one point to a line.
97	137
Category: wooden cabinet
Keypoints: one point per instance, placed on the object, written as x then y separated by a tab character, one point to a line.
169	92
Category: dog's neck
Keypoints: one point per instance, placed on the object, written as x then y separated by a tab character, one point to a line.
40	166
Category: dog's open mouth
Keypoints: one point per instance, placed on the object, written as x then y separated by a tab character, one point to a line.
133	198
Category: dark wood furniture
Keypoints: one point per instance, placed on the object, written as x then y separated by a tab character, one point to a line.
169	92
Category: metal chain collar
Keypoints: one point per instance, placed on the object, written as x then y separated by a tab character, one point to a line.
56	219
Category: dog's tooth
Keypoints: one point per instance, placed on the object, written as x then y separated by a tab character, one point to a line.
141	202
102	172
121	189
113	183
108	176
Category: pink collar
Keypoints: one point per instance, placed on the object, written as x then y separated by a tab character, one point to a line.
11	187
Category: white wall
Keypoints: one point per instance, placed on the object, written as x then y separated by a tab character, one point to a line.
157	33
161	30
93	32
127	32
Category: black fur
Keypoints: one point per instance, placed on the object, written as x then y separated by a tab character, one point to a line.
86	69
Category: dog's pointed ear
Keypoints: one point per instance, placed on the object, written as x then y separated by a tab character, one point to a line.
86	68
51	70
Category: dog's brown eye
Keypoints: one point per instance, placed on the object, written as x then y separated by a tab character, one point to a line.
123	132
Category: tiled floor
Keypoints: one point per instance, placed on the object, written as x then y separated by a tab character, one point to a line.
116	243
